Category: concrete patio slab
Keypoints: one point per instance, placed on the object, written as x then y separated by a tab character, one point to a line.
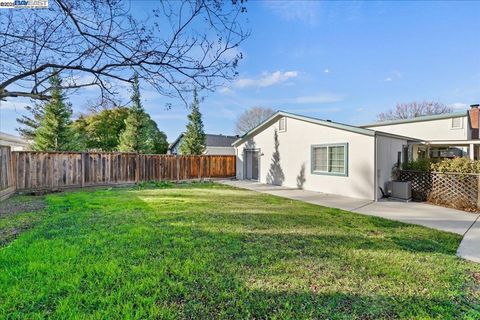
440	218
323	199
470	246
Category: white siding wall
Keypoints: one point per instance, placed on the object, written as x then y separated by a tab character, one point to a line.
440	129
294	150
387	153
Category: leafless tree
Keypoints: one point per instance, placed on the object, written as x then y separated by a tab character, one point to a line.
180	45
251	118
414	109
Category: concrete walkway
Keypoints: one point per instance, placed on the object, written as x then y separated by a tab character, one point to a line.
440	218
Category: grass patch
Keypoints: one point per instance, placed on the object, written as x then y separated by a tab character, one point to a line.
18	214
210	251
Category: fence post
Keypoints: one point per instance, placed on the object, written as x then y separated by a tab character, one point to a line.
178	167
13	162
82	166
199	167
137	168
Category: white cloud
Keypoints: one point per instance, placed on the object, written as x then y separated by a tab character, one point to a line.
318	98
303	11
225	91
359	109
459	106
326	71
394	75
266	79
278	103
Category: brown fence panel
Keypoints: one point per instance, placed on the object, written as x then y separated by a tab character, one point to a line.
7	179
31	170
47	170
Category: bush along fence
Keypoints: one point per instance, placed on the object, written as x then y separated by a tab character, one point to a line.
37	171
456	190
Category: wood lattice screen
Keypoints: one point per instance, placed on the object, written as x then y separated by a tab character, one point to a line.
454	190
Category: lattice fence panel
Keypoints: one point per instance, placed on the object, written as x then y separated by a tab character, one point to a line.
453	190
421	183
458	191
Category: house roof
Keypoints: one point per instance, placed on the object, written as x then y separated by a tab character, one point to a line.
219	140
327	123
418	119
11	138
171	145
211	140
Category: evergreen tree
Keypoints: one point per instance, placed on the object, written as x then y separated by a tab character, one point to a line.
193	142
30	123
133	138
156	139
54	132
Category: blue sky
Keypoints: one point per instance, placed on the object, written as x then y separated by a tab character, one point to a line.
344	61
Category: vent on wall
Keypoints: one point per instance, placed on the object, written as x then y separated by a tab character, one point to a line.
282	124
457	123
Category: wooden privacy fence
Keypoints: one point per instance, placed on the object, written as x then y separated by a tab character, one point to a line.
33	171
7	179
456	190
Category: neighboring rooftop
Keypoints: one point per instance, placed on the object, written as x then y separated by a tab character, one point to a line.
11	138
219	140
16	143
212	140
418	119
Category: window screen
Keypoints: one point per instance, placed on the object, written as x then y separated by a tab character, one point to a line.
329	159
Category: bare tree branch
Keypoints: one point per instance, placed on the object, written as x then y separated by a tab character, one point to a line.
413	110
184	44
251	118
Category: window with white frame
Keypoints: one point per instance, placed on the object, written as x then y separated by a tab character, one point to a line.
330	159
457	123
282	124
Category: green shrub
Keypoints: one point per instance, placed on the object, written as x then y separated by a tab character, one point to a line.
459	165
418	165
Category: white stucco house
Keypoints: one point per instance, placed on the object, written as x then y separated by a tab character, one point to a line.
355	161
443	136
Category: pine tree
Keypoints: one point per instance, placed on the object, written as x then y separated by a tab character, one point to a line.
54	132
133	138
31	122
193	142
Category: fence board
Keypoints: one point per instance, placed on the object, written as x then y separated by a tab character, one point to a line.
7	179
56	170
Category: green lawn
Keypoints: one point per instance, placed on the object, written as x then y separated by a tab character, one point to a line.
209	251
